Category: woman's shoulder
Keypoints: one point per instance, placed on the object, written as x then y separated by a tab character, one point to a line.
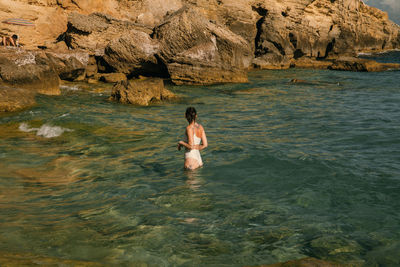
198	126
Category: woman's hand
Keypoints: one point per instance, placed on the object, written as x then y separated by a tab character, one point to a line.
181	144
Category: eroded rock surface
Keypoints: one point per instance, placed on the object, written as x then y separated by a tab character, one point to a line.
141	92
69	65
14	99
197	51
362	65
203	41
134	53
320	29
28	70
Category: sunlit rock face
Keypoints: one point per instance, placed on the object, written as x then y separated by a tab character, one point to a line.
321	29
29	70
307	25
203	41
197	51
141	92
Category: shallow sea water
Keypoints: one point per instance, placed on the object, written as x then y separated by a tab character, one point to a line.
291	171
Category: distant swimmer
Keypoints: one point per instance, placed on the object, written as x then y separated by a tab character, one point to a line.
195	140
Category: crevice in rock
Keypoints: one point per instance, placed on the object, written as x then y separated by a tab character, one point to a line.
103	66
329	49
279	47
263	13
66	38
284	14
298	54
293	40
149	69
384	44
72	29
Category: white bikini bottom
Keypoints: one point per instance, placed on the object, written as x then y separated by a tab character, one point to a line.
194	154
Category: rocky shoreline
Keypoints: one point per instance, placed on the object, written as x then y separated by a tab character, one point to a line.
187	42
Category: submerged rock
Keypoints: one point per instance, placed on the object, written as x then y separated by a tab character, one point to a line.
14	99
141	92
307	262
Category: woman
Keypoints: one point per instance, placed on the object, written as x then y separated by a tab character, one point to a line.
10	41
196	140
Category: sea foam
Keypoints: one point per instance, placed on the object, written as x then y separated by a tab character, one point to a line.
69	88
45	130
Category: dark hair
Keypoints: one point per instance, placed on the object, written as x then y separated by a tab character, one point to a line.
190	114
15	37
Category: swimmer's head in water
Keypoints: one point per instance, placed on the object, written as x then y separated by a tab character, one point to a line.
190	114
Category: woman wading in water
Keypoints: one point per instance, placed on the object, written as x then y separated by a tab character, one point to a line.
196	140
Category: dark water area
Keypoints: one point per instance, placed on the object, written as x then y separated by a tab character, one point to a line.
291	171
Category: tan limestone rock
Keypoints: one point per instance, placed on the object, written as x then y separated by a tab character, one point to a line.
111	77
322	29
197	51
134	53
14	99
70	65
362	65
141	92
28	70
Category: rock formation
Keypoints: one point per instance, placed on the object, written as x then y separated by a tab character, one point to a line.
190	42
69	66
13	99
134	53
277	32
28	70
361	65
320	29
141	92
197	51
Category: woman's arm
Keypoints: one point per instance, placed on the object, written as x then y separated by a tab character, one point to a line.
189	134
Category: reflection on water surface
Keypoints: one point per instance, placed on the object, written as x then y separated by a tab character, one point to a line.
292	171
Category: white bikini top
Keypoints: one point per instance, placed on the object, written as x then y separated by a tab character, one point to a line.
196	139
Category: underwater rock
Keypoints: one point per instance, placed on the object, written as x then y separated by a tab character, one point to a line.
28	259
14	99
307	262
141	92
325	246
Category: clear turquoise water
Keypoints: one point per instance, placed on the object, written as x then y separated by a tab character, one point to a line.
291	171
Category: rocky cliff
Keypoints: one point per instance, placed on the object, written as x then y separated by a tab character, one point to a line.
201	41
